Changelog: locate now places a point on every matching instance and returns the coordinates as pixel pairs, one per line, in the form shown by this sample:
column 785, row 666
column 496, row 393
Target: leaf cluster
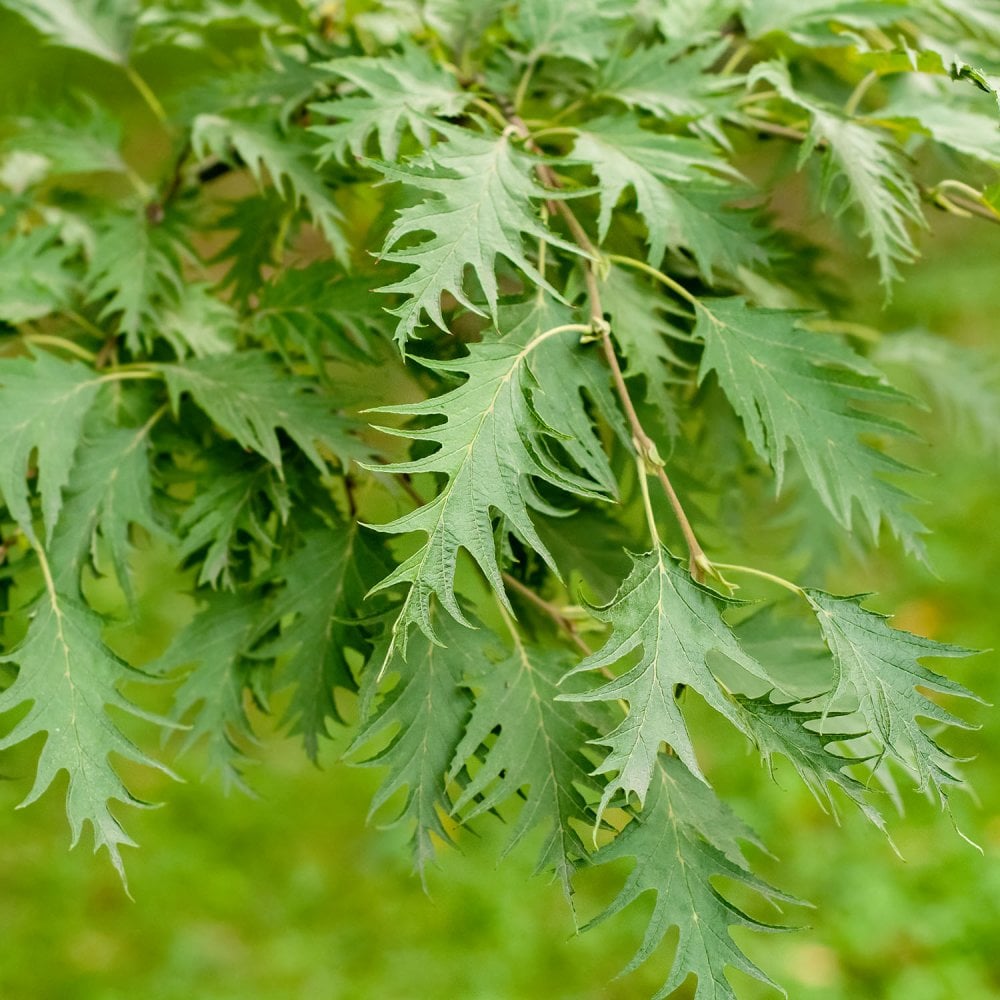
column 452, row 353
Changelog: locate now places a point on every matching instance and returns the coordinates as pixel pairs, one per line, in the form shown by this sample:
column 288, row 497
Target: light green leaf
column 103, row 28
column 135, row 271
column 404, row 92
column 682, row 88
column 542, row 28
column 43, row 404
column 683, row 840
column 70, row 678
column 643, row 335
column 199, row 323
column 791, row 387
column 964, row 382
column 878, row 666
column 250, row 396
column 537, row 753
column 861, row 168
column 35, row 280
column 673, row 624
column 109, row 491
column 482, row 204
column 494, row 448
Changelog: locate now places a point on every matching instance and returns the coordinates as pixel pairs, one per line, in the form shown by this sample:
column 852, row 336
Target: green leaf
column 199, row 323
column 34, row 278
column 543, row 29
column 71, row 679
column 209, row 702
column 494, row 448
column 780, row 728
column 810, row 22
column 674, row 624
column 102, row 28
column 481, row 206
column 325, row 582
column 861, row 169
column 402, row 93
column 43, row 404
column 964, row 129
column 537, row 753
column 791, row 387
column 878, row 666
column 109, row 490
column 318, row 311
column 136, row 268
column 682, row 88
column 683, row 839
column 229, row 516
column 250, row 397
column 679, row 190
column 964, row 382
column 287, row 158
column 423, row 717
column 83, row 138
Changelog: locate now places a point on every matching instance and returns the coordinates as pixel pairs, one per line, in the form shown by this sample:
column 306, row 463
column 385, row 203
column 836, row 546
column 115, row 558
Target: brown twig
column 644, row 444
column 550, row 609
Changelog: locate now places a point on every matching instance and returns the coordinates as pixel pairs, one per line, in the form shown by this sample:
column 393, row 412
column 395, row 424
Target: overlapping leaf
column 110, row 490
column 794, row 388
column 879, row 666
column 325, row 581
column 537, row 752
column 209, row 700
column 494, row 447
column 680, row 186
column 395, row 95
column 135, row 272
column 101, row 28
column 251, row 397
column 43, row 404
column 483, row 202
column 682, row 840
column 861, row 169
column 287, row 158
column 424, row 717
column 34, row 278
column 673, row 624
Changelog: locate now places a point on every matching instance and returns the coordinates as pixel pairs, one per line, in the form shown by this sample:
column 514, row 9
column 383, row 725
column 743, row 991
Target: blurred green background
column 290, row 895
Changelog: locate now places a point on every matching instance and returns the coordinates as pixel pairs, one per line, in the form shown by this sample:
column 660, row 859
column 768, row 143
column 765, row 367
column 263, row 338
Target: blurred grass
column 290, row 895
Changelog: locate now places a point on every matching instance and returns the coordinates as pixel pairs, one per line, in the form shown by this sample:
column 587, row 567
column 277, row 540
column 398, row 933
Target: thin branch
column 552, row 610
column 644, row 444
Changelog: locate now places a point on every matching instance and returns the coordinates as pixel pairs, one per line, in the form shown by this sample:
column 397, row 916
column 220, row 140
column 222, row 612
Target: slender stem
column 493, row 112
column 147, row 95
column 859, row 92
column 124, row 374
column 647, row 503
column 641, row 265
column 552, row 610
column 770, row 577
column 735, row 59
column 82, row 321
column 555, row 130
column 772, row 128
column 53, row 341
column 522, row 84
